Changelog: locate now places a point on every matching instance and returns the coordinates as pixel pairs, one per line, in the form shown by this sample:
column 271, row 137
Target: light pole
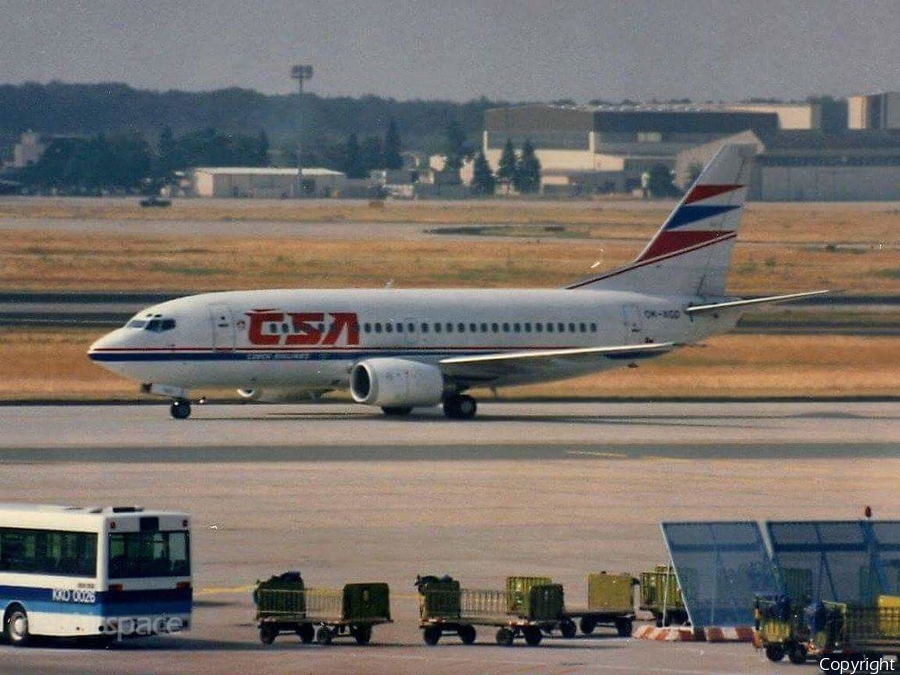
column 300, row 73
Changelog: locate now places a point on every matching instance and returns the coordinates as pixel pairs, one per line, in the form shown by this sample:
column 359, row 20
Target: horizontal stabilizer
column 699, row 309
column 625, row 352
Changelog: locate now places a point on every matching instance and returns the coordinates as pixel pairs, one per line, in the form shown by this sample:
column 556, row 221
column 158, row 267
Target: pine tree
column 506, row 171
column 483, row 181
column 392, row 158
column 528, row 170
column 352, row 160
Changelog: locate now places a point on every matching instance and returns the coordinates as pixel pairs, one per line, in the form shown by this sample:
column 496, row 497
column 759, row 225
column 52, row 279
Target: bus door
column 222, row 327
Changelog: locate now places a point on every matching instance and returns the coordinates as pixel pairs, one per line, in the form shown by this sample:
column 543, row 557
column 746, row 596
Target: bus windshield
column 149, row 554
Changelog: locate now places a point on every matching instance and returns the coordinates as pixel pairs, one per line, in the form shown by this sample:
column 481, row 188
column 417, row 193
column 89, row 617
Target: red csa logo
column 272, row 327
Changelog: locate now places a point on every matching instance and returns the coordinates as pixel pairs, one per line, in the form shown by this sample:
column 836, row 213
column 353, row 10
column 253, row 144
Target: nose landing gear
column 180, row 409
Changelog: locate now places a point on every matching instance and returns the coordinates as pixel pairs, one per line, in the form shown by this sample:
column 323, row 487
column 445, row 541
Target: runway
column 343, row 494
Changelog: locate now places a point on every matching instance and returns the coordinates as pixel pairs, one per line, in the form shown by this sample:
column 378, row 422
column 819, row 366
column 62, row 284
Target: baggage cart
column 661, row 596
column 610, row 603
column 447, row 608
column 285, row 605
column 784, row 628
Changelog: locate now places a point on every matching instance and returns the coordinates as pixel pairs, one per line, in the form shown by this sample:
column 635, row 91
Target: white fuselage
column 310, row 339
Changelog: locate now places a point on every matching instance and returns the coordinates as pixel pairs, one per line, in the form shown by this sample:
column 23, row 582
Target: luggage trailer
column 320, row 614
column 446, row 608
column 610, row 603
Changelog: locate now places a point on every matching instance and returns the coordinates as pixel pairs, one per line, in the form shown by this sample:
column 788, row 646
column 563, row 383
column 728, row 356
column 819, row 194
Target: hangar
column 264, row 182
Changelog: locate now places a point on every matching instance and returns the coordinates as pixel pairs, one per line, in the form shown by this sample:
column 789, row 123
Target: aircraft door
column 411, row 337
column 222, row 326
column 633, row 324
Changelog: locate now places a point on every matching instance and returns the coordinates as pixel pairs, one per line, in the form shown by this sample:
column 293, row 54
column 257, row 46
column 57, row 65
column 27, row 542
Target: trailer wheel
column 267, row 634
column 363, row 634
column 324, row 635
column 467, row 634
column 624, row 627
column 567, row 628
column 505, row 637
column 587, row 625
column 533, row 636
column 775, row 653
column 431, row 635
column 797, row 654
column 306, row 633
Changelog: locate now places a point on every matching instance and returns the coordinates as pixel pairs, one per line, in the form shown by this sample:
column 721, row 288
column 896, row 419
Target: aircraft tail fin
column 691, row 252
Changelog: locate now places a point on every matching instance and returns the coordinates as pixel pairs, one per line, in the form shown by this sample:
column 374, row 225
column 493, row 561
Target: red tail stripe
column 701, row 192
column 669, row 242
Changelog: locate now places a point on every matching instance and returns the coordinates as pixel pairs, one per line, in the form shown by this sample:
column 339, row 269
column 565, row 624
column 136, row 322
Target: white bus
column 111, row 572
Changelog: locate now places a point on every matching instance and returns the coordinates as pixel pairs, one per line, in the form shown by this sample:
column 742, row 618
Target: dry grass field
column 52, row 364
column 38, row 260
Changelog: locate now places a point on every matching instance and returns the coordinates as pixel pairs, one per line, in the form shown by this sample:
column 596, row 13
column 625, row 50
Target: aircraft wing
column 699, row 309
column 487, row 367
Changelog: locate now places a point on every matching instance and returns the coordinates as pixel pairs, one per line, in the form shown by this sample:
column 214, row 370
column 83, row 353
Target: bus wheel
column 16, row 626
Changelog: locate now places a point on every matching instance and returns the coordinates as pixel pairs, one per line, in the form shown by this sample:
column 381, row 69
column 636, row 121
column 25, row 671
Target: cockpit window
column 136, row 323
column 160, row 325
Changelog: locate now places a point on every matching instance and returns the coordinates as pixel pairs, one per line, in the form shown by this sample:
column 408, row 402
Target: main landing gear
column 460, row 407
column 180, row 409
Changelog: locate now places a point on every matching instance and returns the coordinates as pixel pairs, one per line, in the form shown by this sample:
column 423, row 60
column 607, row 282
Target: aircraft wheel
column 16, row 627
column 180, row 409
column 460, row 407
column 567, row 628
column 396, row 410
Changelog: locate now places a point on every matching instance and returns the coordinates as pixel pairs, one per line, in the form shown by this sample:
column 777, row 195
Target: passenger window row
column 482, row 327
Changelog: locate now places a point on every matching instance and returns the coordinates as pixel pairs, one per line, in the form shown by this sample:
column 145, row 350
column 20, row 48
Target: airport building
column 263, row 182
column 855, row 165
column 876, row 111
column 607, row 149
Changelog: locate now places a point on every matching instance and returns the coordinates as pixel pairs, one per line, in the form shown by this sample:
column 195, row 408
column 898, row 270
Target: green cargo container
column 660, row 592
column 366, row 603
column 612, row 593
column 519, row 588
column 545, row 602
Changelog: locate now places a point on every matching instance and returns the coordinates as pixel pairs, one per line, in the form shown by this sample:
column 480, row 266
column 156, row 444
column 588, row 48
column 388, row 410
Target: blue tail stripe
column 691, row 214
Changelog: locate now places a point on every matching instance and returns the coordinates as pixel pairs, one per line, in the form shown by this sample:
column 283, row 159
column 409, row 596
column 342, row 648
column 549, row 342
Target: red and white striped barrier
column 667, row 634
column 729, row 634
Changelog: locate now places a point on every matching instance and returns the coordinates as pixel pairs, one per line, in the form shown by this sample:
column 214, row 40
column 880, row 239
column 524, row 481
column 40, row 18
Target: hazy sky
column 698, row 49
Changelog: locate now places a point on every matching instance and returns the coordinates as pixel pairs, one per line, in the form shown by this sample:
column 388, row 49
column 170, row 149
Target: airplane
column 401, row 349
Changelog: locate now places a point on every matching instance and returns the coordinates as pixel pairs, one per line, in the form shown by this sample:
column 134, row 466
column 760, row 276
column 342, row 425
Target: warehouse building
column 876, row 111
column 607, row 149
column 263, row 182
column 855, row 165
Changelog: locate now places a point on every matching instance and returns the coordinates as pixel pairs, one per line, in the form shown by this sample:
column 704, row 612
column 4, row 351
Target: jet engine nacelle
column 396, row 382
column 250, row 394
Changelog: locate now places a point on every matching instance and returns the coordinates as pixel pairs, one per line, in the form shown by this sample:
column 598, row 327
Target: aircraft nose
column 104, row 343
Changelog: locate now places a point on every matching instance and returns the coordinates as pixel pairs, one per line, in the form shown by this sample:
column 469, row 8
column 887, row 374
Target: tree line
column 129, row 161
